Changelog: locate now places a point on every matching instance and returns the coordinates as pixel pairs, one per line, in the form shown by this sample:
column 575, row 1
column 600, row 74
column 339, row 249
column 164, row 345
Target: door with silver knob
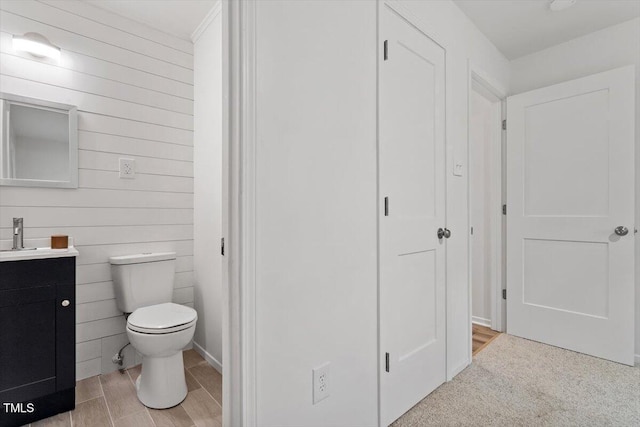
column 570, row 185
column 412, row 178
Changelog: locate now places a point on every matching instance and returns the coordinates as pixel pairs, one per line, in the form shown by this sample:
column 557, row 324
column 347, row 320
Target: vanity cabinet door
column 37, row 337
column 28, row 337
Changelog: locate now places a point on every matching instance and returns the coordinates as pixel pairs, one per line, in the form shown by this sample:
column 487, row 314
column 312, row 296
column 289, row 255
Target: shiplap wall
column 133, row 87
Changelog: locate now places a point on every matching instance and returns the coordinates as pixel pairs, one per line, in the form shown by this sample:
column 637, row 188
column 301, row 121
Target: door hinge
column 504, row 124
column 504, row 294
column 472, row 231
column 386, row 362
column 386, row 206
column 222, row 246
column 386, row 49
column 504, row 209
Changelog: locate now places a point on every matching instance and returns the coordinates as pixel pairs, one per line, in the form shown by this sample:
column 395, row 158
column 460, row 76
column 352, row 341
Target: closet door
column 412, row 190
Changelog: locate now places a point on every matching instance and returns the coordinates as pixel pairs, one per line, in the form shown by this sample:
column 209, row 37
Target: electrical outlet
column 127, row 168
column 320, row 383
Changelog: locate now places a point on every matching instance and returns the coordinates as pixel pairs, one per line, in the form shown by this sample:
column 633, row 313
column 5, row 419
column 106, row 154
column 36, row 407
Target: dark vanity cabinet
column 37, row 339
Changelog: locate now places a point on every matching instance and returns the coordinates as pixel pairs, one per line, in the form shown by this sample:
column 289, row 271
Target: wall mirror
column 39, row 143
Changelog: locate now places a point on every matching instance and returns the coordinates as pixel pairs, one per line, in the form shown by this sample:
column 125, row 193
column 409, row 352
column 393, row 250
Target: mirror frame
column 72, row 112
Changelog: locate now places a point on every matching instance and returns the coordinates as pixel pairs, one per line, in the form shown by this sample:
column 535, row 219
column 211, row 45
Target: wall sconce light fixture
column 37, row 45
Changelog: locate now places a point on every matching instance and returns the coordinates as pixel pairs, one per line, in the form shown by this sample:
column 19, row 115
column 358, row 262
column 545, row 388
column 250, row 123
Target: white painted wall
column 208, row 188
column 316, row 201
column 603, row 50
column 483, row 199
column 316, row 211
column 134, row 90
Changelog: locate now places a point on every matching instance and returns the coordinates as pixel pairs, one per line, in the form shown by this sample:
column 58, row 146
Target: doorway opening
column 485, row 175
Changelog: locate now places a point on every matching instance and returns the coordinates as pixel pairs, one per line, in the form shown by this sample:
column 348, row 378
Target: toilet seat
column 162, row 319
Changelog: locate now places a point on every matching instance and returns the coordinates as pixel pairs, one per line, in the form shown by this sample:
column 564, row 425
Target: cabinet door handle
column 65, row 303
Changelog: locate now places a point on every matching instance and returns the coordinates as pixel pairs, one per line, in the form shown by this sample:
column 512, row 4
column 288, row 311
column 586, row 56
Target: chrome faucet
column 18, row 241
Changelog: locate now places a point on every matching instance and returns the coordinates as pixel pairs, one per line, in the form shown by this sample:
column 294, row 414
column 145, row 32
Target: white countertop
column 40, row 252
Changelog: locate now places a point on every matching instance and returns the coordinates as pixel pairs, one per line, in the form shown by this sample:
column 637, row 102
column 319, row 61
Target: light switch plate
column 127, row 168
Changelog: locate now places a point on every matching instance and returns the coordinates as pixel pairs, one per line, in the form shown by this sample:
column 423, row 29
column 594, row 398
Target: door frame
column 478, row 77
column 239, row 348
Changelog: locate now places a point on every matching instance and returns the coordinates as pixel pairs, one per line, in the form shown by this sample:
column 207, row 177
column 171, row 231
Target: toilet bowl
column 160, row 332
column 156, row 327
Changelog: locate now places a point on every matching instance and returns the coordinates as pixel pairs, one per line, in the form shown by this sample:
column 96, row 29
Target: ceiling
column 516, row 27
column 176, row 17
column 521, row 27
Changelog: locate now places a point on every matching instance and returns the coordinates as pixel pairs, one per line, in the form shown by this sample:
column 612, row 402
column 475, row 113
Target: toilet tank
column 142, row 279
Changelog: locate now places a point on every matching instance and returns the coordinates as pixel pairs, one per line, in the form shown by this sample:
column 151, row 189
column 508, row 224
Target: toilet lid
column 162, row 316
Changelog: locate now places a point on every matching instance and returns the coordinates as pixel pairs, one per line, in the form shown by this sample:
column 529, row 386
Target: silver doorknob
column 443, row 232
column 621, row 230
column 65, row 303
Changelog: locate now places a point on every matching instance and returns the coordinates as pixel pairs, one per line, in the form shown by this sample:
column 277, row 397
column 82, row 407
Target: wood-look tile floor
column 482, row 337
column 110, row 401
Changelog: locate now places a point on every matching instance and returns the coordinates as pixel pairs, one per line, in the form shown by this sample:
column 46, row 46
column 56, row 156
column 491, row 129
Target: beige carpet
column 517, row 382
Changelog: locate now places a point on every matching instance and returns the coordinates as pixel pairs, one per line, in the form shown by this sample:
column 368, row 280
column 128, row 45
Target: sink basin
column 36, row 253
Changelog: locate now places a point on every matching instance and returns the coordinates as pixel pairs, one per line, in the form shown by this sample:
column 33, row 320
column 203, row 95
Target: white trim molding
column 211, row 15
column 248, row 145
column 477, row 75
column 479, row 321
column 239, row 148
column 208, row 357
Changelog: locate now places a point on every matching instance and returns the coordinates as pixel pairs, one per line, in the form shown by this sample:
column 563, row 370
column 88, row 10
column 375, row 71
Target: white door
column 570, row 184
column 412, row 179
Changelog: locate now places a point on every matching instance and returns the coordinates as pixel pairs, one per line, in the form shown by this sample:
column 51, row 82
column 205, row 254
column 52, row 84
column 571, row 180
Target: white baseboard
column 208, row 357
column 480, row 321
column 637, row 359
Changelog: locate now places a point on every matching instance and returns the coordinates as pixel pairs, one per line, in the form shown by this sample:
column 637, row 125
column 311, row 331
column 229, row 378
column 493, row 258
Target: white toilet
column 157, row 328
